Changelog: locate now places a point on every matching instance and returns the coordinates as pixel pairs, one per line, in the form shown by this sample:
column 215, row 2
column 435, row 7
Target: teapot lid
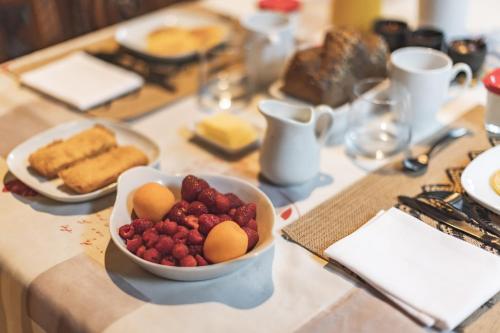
column 492, row 81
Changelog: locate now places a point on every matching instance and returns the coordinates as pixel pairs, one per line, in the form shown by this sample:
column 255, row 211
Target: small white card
column 82, row 81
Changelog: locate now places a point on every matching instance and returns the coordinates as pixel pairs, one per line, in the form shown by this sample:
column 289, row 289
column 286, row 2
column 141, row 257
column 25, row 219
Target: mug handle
column 462, row 67
column 323, row 131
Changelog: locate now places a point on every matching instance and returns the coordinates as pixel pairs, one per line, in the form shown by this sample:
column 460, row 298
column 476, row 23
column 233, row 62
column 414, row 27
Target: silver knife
column 460, row 225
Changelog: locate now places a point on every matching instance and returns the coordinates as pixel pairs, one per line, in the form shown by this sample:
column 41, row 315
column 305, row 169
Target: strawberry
column 252, row 224
column 222, row 203
column 245, row 213
column 176, row 214
column 191, row 187
column 207, row 197
column 197, row 208
column 207, row 222
column 234, row 200
column 253, row 237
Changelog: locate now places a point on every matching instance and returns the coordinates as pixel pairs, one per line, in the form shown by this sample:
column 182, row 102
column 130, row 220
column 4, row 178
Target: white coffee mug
column 268, row 45
column 426, row 74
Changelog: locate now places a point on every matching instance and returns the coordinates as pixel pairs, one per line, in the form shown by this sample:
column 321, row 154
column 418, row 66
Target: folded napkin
column 438, row 279
column 82, row 80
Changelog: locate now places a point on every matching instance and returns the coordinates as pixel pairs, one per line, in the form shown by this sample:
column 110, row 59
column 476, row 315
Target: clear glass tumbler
column 223, row 81
column 379, row 122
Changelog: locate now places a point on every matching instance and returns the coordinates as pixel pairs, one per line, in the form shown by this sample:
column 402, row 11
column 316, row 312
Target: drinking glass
column 379, row 119
column 223, row 81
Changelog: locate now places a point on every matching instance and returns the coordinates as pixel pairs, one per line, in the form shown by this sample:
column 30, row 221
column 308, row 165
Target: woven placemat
column 341, row 215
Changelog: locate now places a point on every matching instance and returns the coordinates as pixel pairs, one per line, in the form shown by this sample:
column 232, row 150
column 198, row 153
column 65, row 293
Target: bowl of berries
column 190, row 228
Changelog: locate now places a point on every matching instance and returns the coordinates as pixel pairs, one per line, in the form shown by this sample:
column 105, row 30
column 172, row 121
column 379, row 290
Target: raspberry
column 134, row 243
column 164, row 244
column 126, row 231
column 176, row 214
column 179, row 251
column 222, row 203
column 207, row 197
column 140, row 251
column 245, row 213
column 231, row 212
column 188, row 261
column 167, row 261
column 191, row 222
column 194, row 237
column 224, row 217
column 152, row 255
column 191, row 187
column 169, row 227
column 182, row 229
column 197, row 208
column 252, row 224
column 234, row 200
column 150, row 237
column 207, row 222
column 140, row 225
column 200, row 260
column 195, row 249
column 253, row 237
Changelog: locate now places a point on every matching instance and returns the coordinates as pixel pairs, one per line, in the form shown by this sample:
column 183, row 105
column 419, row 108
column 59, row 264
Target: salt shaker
column 492, row 117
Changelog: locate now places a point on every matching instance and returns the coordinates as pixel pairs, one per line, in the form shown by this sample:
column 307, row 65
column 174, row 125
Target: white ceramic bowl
column 121, row 214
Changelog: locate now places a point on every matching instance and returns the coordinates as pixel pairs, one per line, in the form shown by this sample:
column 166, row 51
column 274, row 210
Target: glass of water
column 223, row 81
column 379, row 122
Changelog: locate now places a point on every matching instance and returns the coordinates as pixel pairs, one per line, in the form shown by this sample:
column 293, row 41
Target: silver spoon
column 419, row 163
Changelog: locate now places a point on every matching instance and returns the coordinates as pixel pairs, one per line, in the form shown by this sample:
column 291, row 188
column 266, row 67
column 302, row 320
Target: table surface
column 280, row 292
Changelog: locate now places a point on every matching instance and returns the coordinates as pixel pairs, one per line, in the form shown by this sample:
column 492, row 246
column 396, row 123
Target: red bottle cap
column 492, row 81
column 284, row 6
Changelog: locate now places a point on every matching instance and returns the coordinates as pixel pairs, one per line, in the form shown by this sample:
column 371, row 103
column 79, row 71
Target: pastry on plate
column 48, row 161
column 102, row 170
column 174, row 41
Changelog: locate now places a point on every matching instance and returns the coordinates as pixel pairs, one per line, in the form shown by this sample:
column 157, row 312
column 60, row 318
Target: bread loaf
column 326, row 74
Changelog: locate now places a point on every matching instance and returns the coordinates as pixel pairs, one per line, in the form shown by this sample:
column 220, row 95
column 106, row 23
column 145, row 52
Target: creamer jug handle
column 324, row 118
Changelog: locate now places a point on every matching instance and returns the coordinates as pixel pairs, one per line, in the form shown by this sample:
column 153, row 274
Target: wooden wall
column 28, row 25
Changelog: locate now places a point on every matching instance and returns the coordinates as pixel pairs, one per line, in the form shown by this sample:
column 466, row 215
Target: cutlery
column 456, row 224
column 420, row 163
column 455, row 213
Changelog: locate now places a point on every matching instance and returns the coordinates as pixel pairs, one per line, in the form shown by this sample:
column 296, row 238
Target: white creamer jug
column 290, row 152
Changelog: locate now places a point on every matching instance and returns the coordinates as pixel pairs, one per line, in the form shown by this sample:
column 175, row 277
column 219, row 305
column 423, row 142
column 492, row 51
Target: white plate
column 133, row 34
column 476, row 179
column 18, row 164
column 121, row 214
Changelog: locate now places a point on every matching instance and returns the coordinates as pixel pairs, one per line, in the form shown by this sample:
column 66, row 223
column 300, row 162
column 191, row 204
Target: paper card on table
column 82, row 80
column 438, row 279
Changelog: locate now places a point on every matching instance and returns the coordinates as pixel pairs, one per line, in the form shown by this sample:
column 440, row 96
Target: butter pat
column 227, row 130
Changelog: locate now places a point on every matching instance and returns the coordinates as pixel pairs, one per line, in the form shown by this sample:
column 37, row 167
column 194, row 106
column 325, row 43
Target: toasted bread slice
column 102, row 170
column 61, row 154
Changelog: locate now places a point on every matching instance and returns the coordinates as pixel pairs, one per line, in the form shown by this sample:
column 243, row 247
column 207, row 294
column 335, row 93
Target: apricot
column 153, row 201
column 224, row 242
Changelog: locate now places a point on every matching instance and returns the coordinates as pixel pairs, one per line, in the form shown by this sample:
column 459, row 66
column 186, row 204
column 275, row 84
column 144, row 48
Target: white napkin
column 438, row 279
column 82, row 80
